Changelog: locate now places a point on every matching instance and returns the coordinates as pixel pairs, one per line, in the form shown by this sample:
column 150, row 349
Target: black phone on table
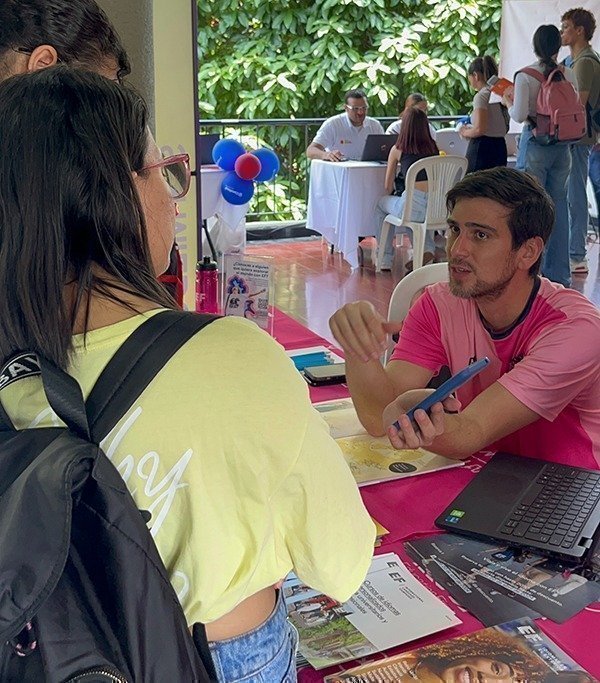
column 319, row 375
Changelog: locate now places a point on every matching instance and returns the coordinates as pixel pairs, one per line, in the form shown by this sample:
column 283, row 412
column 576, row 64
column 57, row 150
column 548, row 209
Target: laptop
column 207, row 142
column 529, row 503
column 377, row 147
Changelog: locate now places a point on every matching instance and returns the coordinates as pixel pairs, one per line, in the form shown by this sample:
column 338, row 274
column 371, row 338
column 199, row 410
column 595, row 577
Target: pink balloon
column 247, row 166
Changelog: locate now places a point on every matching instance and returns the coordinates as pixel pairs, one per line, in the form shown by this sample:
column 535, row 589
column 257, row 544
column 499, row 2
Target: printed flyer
column 248, row 289
column 391, row 607
column 515, row 651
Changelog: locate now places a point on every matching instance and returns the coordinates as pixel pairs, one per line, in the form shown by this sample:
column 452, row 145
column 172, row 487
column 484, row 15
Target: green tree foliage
column 285, row 58
column 281, row 59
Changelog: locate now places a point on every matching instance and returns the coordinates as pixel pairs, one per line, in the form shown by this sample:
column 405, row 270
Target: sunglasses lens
column 177, row 177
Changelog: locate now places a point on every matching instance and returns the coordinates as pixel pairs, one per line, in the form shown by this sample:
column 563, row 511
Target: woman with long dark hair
column 550, row 164
column 489, row 121
column 239, row 492
column 414, row 143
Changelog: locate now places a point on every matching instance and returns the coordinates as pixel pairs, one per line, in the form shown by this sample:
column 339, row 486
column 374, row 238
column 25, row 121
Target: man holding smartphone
column 540, row 395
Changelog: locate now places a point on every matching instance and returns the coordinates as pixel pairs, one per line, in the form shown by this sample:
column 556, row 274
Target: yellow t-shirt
column 240, row 474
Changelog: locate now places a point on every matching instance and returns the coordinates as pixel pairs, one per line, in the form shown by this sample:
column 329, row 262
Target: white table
column 342, row 199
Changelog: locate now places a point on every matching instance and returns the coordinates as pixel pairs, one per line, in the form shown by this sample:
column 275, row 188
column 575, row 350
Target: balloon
column 269, row 164
column 236, row 190
column 247, row 166
column 225, row 152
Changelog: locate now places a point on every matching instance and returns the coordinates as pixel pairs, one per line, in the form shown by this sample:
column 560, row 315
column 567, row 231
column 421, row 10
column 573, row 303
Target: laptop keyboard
column 555, row 509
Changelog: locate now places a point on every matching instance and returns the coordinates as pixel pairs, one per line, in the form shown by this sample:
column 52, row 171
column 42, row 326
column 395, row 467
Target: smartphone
column 319, row 375
column 449, row 386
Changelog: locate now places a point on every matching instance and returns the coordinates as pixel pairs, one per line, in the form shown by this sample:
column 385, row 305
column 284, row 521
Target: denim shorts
column 267, row 654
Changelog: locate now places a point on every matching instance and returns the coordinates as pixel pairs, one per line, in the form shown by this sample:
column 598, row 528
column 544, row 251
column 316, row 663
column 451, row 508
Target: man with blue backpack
column 577, row 29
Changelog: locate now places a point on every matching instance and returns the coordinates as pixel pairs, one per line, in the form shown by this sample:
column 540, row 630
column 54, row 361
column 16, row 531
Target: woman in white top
column 550, row 164
column 489, row 120
column 415, row 99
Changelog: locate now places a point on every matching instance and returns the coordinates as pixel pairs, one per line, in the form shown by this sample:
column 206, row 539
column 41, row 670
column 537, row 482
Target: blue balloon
column 225, row 152
column 236, row 190
column 269, row 164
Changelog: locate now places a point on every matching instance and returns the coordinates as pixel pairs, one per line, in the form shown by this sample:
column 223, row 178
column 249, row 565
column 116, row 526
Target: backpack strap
column 6, row 424
column 135, row 364
column 62, row 391
column 534, row 73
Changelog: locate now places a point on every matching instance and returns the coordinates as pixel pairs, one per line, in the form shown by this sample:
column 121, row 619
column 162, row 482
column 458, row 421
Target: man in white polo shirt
column 343, row 136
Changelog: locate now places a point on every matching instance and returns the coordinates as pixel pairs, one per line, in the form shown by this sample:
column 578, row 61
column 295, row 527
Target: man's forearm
column 314, row 152
column 371, row 390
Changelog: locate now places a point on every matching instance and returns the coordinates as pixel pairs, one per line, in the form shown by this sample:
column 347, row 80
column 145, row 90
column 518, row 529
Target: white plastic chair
column 443, row 173
column 403, row 293
column 449, row 141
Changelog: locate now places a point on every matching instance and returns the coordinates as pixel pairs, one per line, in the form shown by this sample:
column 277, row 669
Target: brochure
column 248, row 288
column 480, row 598
column 373, row 459
column 536, row 582
column 381, row 531
column 390, row 608
column 515, row 651
column 313, row 355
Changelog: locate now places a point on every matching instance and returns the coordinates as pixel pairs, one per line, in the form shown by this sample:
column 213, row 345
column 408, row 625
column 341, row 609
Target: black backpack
column 84, row 594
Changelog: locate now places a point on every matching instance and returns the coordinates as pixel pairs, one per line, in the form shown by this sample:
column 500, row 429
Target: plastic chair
column 442, row 174
column 403, row 293
column 449, row 141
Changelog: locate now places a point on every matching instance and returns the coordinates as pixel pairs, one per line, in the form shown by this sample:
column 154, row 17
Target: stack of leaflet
column 497, row 583
column 518, row 645
column 390, row 608
column 373, row 459
column 313, row 356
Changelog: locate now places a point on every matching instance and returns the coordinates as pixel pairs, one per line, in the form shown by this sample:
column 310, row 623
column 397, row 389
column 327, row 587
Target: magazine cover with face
column 509, row 653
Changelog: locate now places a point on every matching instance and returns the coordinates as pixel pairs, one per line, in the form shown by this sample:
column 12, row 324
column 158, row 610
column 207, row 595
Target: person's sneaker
column 579, row 267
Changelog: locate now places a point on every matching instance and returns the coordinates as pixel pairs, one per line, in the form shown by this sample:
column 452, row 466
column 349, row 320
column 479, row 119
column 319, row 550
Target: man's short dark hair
column 581, row 17
column 79, row 30
column 354, row 94
column 531, row 209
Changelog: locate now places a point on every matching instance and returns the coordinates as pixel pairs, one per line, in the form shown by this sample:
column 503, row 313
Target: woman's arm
column 392, row 166
column 518, row 99
column 478, row 127
column 479, row 117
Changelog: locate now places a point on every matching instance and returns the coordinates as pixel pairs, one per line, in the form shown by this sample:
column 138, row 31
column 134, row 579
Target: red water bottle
column 207, row 286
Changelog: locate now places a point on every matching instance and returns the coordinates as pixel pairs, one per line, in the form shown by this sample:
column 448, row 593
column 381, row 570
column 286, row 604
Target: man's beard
column 484, row 290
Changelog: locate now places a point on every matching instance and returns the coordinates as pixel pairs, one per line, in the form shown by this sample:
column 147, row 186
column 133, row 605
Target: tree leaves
column 388, row 47
column 296, row 58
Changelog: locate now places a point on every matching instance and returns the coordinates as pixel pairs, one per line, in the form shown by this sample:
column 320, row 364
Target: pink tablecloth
column 408, row 507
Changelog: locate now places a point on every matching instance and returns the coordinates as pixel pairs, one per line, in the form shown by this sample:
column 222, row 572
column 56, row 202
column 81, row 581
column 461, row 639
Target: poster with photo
column 248, row 288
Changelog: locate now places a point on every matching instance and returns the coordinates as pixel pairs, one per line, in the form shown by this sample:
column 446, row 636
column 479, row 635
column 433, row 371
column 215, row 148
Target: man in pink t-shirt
column 540, row 395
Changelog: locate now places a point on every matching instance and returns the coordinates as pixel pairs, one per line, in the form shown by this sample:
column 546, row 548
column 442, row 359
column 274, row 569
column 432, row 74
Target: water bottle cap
column 207, row 264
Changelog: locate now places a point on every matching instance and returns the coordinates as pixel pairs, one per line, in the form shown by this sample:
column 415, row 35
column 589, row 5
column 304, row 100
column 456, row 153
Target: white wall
column 520, row 19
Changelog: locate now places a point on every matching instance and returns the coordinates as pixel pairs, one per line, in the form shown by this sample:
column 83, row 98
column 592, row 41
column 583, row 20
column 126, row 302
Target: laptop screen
column 207, row 142
column 377, row 147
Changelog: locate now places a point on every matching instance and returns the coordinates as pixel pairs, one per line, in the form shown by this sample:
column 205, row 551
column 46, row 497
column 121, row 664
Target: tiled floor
column 311, row 283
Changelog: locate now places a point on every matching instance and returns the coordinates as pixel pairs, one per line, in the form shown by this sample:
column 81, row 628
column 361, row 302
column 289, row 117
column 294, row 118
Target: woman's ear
column 42, row 57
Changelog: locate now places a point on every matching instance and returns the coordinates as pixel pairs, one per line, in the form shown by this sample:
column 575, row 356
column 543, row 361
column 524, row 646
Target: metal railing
column 286, row 197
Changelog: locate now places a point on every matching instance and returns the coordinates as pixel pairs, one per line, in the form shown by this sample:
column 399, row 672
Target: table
column 342, row 198
column 407, row 507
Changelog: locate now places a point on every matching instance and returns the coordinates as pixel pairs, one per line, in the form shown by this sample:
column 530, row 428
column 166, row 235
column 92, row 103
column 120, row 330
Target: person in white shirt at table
column 343, row 136
column 415, row 99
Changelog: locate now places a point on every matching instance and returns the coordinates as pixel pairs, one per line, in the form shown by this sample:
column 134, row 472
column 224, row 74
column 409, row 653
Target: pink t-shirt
column 549, row 360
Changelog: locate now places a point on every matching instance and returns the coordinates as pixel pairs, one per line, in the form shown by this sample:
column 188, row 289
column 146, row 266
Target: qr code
column 263, row 304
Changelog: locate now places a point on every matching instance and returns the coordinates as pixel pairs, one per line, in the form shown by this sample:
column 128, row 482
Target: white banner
column 520, row 19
